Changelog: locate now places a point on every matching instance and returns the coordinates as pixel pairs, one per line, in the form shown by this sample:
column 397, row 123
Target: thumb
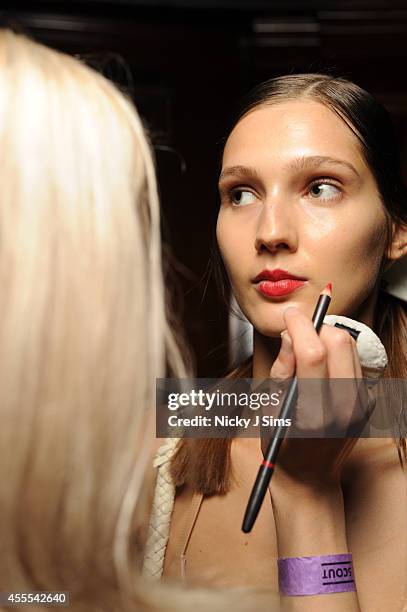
column 284, row 365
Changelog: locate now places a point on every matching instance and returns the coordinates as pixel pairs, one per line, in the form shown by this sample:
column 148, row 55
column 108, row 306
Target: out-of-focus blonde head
column 83, row 335
column 83, row 330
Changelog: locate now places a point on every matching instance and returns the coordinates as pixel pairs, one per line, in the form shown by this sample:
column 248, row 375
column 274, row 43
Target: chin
column 270, row 331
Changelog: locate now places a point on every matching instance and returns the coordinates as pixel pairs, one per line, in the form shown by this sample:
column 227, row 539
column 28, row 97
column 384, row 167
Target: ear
column 398, row 247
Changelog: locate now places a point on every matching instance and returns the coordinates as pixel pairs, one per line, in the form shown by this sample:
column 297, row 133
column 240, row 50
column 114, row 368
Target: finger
column 341, row 354
column 284, row 365
column 309, row 350
column 356, row 359
column 367, row 390
column 347, row 403
column 365, row 401
column 311, row 368
column 343, row 391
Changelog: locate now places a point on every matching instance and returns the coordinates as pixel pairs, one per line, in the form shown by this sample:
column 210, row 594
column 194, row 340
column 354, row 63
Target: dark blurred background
column 186, row 63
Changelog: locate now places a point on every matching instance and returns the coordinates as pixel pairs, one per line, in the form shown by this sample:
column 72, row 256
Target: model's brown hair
column 372, row 126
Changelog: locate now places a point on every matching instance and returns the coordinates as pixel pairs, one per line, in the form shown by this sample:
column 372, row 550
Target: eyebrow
column 299, row 163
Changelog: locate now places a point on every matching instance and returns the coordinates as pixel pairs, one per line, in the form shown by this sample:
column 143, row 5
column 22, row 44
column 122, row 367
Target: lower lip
column 278, row 288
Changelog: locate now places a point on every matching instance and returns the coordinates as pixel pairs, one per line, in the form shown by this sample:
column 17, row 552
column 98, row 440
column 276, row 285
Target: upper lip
column 276, row 275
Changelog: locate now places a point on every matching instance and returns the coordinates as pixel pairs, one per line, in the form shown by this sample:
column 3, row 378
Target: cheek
column 230, row 243
column 356, row 250
column 367, row 247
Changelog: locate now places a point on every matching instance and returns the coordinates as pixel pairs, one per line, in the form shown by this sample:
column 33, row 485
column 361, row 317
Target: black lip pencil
column 267, row 466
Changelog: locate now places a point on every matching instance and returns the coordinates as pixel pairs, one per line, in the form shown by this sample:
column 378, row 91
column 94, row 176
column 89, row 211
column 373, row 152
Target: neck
column 265, row 351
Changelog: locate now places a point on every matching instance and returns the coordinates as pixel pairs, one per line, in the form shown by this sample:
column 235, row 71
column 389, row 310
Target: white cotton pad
column 372, row 354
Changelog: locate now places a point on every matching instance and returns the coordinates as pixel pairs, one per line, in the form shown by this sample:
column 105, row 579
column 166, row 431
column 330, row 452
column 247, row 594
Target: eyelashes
column 233, row 193
column 236, row 197
column 328, row 182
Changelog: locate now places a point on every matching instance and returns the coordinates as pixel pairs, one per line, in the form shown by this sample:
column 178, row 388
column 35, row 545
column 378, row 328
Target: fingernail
column 293, row 308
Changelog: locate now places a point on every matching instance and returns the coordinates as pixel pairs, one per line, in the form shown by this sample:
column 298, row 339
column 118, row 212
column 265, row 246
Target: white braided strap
column 159, row 526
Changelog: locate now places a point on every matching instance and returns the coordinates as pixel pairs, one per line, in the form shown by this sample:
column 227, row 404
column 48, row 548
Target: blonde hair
column 84, row 332
column 83, row 328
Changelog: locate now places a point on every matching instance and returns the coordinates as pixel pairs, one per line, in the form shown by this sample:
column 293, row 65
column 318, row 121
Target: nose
column 275, row 229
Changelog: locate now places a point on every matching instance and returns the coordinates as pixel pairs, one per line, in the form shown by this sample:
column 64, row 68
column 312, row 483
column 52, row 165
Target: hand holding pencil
column 308, row 351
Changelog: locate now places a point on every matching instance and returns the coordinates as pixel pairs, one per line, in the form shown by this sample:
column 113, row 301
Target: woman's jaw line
column 265, row 352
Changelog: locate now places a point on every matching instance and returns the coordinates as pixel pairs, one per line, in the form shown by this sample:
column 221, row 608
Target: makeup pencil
column 267, row 466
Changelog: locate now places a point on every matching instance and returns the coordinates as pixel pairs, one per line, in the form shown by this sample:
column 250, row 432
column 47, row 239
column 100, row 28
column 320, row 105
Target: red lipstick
column 276, row 283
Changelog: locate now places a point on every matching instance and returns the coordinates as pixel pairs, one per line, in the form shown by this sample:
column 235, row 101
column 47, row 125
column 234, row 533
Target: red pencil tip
column 328, row 289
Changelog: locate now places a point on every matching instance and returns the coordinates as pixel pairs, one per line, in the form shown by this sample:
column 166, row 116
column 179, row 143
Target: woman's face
column 297, row 195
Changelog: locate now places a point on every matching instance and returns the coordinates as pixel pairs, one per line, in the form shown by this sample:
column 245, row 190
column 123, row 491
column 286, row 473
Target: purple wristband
column 314, row 575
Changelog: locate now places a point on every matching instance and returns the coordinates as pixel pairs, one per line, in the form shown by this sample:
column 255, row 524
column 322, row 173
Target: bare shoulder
column 373, row 470
column 377, row 453
column 375, row 495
